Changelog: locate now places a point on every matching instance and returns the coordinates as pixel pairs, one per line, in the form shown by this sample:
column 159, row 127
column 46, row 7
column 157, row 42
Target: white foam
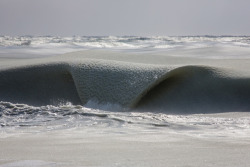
column 95, row 104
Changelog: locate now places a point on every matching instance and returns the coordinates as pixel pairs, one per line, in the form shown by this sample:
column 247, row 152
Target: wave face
column 197, row 89
column 38, row 85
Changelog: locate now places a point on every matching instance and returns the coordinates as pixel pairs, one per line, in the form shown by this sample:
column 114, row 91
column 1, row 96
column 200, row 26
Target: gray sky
column 124, row 17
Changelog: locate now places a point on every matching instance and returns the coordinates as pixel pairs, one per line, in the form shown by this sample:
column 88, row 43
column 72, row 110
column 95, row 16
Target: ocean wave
column 125, row 42
column 145, row 87
column 216, row 47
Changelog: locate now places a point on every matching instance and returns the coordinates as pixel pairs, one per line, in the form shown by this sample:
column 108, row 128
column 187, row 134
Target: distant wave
column 124, row 42
column 144, row 87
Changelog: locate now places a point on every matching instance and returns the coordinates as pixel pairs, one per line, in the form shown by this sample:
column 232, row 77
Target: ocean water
column 207, row 95
column 51, row 45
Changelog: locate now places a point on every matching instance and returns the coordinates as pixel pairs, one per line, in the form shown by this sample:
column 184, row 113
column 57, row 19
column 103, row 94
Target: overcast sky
column 124, row 17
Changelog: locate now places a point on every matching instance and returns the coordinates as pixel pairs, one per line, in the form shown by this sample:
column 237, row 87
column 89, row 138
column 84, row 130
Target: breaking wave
column 184, row 89
column 108, row 90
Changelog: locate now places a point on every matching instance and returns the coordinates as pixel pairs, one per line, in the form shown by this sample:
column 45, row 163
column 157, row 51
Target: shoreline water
column 75, row 148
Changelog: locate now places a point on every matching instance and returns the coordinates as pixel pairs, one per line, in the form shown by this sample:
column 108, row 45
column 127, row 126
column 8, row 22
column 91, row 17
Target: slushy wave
column 102, row 91
column 164, row 88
